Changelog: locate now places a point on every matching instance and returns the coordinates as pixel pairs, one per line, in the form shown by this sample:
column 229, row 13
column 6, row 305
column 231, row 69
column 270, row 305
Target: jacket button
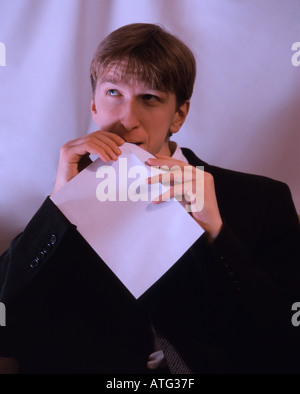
column 35, row 263
column 47, row 248
column 41, row 255
column 53, row 239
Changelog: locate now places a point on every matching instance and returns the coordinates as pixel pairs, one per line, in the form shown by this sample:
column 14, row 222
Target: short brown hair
column 152, row 55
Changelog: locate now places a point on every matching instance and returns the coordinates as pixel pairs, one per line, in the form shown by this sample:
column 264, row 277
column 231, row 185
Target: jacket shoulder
column 234, row 177
column 249, row 199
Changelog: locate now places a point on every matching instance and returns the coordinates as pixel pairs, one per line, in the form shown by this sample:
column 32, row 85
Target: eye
column 113, row 92
column 150, row 97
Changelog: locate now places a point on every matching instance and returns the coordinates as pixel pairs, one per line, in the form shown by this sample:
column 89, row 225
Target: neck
column 172, row 147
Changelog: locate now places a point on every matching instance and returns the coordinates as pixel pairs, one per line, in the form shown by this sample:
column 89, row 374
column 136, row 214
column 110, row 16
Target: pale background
column 245, row 112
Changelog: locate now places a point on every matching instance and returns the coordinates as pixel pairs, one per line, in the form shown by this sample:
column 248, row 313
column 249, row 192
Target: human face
column 139, row 115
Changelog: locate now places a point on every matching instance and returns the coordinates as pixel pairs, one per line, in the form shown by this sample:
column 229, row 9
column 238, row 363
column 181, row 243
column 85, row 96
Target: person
column 224, row 307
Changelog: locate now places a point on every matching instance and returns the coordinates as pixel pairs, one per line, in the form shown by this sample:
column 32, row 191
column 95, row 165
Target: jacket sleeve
column 28, row 253
column 264, row 277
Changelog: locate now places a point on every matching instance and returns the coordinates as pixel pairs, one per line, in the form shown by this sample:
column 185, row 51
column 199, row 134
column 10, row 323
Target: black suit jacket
column 225, row 307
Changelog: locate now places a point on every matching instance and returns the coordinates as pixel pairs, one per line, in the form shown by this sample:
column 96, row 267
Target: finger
column 107, row 144
column 105, row 155
column 167, row 161
column 107, row 141
column 194, row 203
column 91, row 148
column 166, row 196
column 112, row 136
column 102, row 150
column 167, row 178
column 173, row 192
column 175, row 174
column 162, row 156
column 112, row 140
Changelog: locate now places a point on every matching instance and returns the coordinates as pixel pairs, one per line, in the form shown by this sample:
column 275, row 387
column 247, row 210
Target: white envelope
column 138, row 240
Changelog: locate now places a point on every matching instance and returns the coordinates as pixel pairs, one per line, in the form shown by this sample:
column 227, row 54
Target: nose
column 130, row 115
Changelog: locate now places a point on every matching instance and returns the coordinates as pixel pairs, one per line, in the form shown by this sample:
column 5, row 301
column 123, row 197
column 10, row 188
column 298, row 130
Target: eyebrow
column 108, row 79
column 115, row 81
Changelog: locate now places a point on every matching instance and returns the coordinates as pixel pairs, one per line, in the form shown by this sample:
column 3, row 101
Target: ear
column 180, row 116
column 94, row 110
